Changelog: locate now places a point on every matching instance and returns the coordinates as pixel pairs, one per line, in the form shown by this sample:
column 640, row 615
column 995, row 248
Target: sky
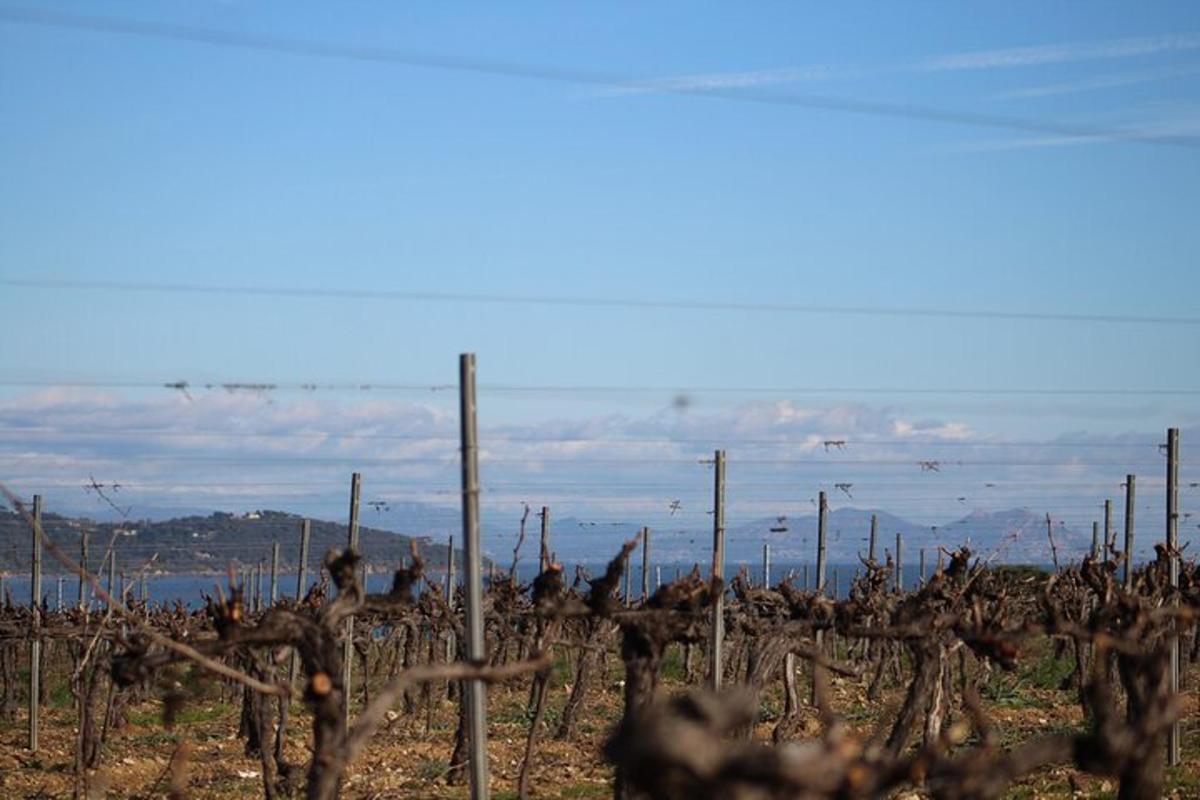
column 650, row 222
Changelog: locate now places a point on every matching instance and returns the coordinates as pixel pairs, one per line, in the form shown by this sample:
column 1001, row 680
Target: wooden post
column 348, row 643
column 83, row 562
column 871, row 546
column 766, row 580
column 645, row 564
column 35, row 643
column 61, row 580
column 544, row 553
column 274, row 572
column 921, row 562
column 717, row 639
column 1095, row 540
column 1130, row 497
column 476, row 697
column 1173, row 749
column 899, row 563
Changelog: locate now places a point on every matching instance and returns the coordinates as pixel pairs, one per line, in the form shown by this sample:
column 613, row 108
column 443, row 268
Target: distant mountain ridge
column 198, row 544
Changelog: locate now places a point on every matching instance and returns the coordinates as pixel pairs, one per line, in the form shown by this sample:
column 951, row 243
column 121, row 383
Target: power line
column 662, row 303
column 501, row 437
column 482, row 66
column 499, row 388
column 535, row 460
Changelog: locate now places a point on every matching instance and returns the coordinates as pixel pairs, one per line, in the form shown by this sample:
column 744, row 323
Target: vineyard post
column 274, row 572
column 766, row 565
column 35, row 644
column 544, row 552
column 645, row 564
column 258, row 582
column 1130, row 496
column 717, row 640
column 871, row 545
column 450, row 595
column 61, row 580
column 899, row 563
column 822, row 510
column 628, row 581
column 921, row 562
column 1108, row 531
column 1095, row 540
column 301, row 584
column 112, row 573
column 83, row 562
column 476, row 698
column 348, row 644
column 1173, row 753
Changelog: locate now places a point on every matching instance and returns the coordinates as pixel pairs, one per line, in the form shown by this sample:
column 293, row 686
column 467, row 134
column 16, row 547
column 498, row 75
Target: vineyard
column 596, row 691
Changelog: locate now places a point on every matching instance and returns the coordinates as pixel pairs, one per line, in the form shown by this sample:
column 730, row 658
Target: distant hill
column 1019, row 534
column 196, row 544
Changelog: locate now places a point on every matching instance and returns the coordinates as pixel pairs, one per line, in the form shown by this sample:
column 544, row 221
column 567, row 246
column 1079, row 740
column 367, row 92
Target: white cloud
column 1095, row 84
column 238, row 451
column 1037, row 55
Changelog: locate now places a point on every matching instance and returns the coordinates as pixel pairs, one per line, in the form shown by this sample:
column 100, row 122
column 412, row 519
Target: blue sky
column 141, row 159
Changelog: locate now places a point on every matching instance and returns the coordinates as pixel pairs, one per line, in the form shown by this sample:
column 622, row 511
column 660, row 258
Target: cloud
column 240, row 451
column 718, row 81
column 1095, row 84
column 976, row 60
column 1038, row 55
column 1185, row 127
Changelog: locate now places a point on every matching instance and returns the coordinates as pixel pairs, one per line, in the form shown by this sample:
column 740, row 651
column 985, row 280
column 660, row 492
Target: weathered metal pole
column 871, row 546
column 1173, row 749
column 822, row 511
column 476, row 697
column 628, row 581
column 717, row 639
column 450, row 642
column 301, row 586
column 766, row 574
column 544, row 552
column 1130, row 497
column 35, row 644
column 1108, row 531
column 348, row 643
column 645, row 564
column 83, row 562
column 274, row 572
